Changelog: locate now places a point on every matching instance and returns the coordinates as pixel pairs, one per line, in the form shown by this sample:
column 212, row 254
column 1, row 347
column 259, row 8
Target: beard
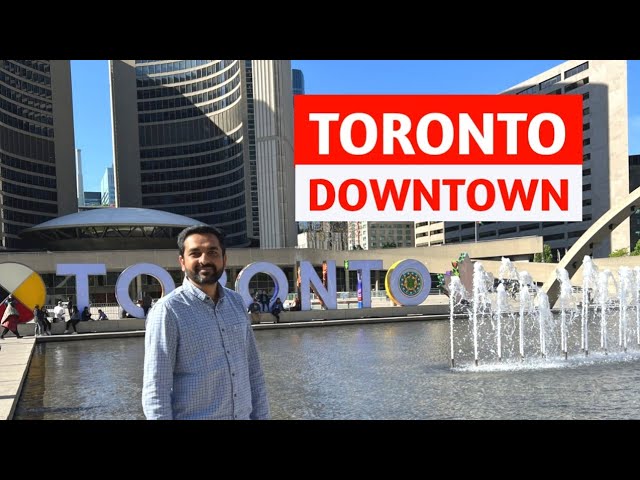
column 207, row 279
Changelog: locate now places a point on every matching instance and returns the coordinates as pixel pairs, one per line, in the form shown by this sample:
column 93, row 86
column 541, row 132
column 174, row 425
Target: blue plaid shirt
column 201, row 360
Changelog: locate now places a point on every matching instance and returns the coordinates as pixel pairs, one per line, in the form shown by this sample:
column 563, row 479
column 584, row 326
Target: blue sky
column 92, row 110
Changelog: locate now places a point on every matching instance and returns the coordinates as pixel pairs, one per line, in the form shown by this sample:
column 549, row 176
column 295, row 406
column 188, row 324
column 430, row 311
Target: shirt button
column 235, row 416
column 233, row 374
column 228, row 351
column 223, row 329
column 235, row 394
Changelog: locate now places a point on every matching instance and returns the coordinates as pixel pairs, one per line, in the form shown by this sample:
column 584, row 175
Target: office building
column 325, row 236
column 79, row 181
column 107, row 188
column 208, row 139
column 603, row 87
column 92, row 199
column 297, row 78
column 38, row 173
column 372, row 235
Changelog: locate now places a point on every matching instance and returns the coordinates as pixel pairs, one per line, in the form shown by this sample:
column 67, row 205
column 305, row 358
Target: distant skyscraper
column 37, row 175
column 79, row 182
column 209, row 139
column 107, row 188
column 92, row 199
column 297, row 82
column 297, row 78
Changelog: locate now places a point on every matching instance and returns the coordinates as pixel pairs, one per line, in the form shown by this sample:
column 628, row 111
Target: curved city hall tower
column 208, row 139
column 37, row 163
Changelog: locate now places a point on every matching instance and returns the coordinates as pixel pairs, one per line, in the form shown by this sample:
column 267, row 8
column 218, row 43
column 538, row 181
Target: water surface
column 375, row 371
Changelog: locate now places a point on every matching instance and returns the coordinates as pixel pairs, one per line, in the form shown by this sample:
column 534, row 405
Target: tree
column 545, row 257
column 636, row 249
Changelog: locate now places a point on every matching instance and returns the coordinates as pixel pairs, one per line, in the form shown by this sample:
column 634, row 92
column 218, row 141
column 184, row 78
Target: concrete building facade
column 38, row 174
column 603, row 87
column 209, row 139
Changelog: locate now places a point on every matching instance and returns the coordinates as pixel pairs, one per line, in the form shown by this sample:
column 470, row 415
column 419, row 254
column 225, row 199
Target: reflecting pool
column 369, row 371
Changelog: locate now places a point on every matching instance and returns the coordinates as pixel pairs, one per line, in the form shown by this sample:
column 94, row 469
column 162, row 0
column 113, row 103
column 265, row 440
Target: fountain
column 509, row 321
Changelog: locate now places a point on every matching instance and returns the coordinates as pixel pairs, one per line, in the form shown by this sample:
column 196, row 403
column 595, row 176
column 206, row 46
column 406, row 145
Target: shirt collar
column 190, row 287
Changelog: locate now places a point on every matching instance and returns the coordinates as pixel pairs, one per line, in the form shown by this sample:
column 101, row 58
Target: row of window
column 572, row 86
column 22, row 204
column 203, row 175
column 235, row 213
column 174, row 74
column 24, row 86
column 546, row 238
column 165, row 66
column 230, row 228
column 231, row 216
column 25, row 73
column 182, row 102
column 188, row 131
column 575, row 70
column 26, row 165
column 29, row 192
column 28, row 100
column 208, row 146
column 25, row 126
column 219, row 162
column 27, row 218
column 173, row 115
column 41, row 65
column 398, row 244
column 210, row 184
column 23, row 177
column 193, row 197
column 253, row 169
column 184, row 89
column 12, row 229
column 25, row 112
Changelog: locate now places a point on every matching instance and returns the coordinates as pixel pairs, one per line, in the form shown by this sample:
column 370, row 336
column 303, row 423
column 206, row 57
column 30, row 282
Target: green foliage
column 545, row 257
column 636, row 249
column 454, row 270
column 621, row 252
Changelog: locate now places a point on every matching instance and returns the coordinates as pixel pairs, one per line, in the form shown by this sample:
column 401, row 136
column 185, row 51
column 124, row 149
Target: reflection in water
column 378, row 371
column 92, row 379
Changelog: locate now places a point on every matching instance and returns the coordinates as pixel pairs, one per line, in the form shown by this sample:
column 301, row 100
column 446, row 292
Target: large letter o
column 277, row 275
column 408, row 282
column 127, row 276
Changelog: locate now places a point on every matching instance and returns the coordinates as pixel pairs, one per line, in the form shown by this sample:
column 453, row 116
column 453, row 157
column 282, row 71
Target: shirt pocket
column 237, row 337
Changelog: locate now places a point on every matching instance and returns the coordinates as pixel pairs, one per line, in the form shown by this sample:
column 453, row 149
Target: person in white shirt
column 58, row 313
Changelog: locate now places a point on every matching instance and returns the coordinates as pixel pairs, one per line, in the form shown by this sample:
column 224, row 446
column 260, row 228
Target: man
column 254, row 310
column 58, row 312
column 201, row 359
column 146, row 303
column 276, row 309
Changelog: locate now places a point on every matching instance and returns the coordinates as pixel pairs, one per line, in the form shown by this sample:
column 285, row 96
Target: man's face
column 203, row 262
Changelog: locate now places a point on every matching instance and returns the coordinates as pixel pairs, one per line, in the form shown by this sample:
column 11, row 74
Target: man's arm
column 160, row 343
column 259, row 400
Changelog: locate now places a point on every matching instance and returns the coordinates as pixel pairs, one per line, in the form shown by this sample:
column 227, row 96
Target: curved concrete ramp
column 584, row 245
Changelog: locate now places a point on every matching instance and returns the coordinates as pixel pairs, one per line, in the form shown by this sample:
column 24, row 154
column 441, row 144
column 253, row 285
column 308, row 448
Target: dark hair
column 201, row 229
